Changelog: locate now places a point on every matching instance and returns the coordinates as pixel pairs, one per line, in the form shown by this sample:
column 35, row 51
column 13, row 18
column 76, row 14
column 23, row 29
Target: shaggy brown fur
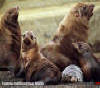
column 10, row 39
column 73, row 27
column 37, row 67
column 87, row 61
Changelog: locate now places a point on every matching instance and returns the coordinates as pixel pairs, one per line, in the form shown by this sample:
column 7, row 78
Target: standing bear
column 74, row 27
column 37, row 67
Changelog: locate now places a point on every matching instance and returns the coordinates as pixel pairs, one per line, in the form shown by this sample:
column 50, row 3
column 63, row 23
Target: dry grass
column 44, row 21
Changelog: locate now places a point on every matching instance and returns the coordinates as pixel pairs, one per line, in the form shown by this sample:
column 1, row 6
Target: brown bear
column 10, row 39
column 87, row 61
column 37, row 67
column 74, row 27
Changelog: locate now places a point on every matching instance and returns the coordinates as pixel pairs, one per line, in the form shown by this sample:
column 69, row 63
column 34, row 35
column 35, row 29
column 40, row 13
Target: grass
column 44, row 21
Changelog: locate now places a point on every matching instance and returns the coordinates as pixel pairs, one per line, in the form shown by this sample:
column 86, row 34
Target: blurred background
column 44, row 16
